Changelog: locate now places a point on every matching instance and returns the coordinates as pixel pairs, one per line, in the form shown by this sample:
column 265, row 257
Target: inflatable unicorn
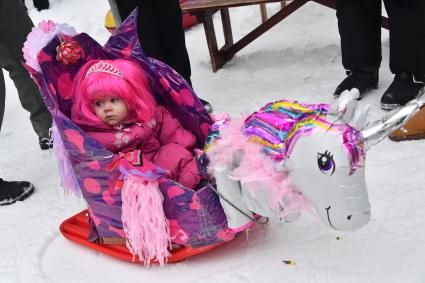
column 289, row 152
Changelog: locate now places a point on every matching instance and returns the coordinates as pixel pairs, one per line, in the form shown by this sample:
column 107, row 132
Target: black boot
column 45, row 143
column 362, row 80
column 11, row 192
column 41, row 4
column 404, row 88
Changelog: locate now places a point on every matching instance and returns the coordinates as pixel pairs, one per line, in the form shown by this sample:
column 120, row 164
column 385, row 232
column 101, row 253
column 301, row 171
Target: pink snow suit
column 162, row 140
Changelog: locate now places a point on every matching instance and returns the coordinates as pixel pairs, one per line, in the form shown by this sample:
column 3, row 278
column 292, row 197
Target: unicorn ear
column 344, row 107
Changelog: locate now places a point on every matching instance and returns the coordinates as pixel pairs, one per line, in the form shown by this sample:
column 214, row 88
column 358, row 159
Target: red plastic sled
column 76, row 229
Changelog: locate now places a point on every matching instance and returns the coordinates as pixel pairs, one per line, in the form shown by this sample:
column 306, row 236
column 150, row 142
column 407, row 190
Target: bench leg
column 261, row 29
column 227, row 28
column 217, row 56
column 217, row 60
column 263, row 10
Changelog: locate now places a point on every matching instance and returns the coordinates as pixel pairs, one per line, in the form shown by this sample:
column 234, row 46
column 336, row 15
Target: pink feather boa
column 256, row 169
column 144, row 221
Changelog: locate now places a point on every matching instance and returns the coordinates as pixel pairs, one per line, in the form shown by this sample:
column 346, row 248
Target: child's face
column 111, row 110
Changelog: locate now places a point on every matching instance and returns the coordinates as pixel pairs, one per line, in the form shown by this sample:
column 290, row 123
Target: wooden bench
column 205, row 9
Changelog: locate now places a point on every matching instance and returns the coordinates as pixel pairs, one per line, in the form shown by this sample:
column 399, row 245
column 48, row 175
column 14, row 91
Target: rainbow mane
column 278, row 125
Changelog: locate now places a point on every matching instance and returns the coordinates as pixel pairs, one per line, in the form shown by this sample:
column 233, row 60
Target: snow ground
column 298, row 59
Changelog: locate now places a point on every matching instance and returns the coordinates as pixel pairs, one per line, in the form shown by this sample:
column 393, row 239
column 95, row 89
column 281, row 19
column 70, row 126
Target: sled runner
column 77, row 229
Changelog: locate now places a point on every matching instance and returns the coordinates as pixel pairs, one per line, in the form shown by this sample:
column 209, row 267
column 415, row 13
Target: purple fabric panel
column 92, row 177
column 196, row 217
column 214, row 221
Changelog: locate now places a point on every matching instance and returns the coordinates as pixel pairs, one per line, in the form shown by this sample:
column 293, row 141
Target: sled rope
column 253, row 219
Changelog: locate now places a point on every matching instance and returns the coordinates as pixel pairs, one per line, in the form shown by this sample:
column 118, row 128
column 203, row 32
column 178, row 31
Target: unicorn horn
column 376, row 131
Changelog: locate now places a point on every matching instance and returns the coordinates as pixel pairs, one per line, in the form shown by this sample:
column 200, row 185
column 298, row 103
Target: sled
column 197, row 221
column 77, row 229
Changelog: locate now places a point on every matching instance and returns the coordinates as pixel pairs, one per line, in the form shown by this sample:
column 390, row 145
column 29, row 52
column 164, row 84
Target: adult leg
column 125, row 7
column 12, row 38
column 407, row 51
column 407, row 35
column 148, row 30
column 359, row 24
column 171, row 36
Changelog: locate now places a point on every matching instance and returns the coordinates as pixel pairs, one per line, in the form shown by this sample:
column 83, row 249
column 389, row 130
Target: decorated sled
column 270, row 163
column 196, row 220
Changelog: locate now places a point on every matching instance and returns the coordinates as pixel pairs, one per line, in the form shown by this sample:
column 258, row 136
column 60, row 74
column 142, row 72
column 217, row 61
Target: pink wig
column 131, row 86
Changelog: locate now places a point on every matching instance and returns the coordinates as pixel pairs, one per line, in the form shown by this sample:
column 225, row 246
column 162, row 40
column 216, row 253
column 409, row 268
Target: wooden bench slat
column 191, row 6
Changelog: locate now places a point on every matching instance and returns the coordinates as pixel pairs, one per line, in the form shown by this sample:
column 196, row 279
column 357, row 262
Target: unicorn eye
column 326, row 162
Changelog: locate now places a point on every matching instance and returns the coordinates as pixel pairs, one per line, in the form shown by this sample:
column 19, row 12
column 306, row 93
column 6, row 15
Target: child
column 114, row 105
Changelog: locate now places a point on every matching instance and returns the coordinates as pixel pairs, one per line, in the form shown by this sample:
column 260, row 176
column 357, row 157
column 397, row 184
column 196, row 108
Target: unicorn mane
column 278, row 125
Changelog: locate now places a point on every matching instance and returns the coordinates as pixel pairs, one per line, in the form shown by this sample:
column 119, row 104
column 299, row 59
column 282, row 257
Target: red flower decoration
column 69, row 52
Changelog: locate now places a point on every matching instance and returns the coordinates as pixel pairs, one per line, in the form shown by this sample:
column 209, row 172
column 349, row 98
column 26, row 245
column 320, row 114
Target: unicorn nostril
column 349, row 217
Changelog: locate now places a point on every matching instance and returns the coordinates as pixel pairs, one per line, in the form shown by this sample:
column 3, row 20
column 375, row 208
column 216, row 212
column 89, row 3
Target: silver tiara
column 104, row 68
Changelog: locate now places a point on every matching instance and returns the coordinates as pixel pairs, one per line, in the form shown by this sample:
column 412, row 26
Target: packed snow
column 297, row 59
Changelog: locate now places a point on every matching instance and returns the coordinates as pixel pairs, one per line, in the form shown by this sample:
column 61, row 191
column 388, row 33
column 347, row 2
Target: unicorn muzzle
column 348, row 221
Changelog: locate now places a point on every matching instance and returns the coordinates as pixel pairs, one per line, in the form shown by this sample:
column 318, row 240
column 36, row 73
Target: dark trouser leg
column 2, row 97
column 359, row 24
column 125, row 7
column 29, row 95
column 12, row 39
column 407, row 35
column 171, row 36
column 148, row 30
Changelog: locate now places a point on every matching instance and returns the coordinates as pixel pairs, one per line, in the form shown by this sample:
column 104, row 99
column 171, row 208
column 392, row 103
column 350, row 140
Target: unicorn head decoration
column 288, row 154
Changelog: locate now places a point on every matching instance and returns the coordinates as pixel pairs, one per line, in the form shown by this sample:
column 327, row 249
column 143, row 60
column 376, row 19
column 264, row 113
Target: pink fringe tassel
column 256, row 169
column 68, row 179
column 144, row 221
